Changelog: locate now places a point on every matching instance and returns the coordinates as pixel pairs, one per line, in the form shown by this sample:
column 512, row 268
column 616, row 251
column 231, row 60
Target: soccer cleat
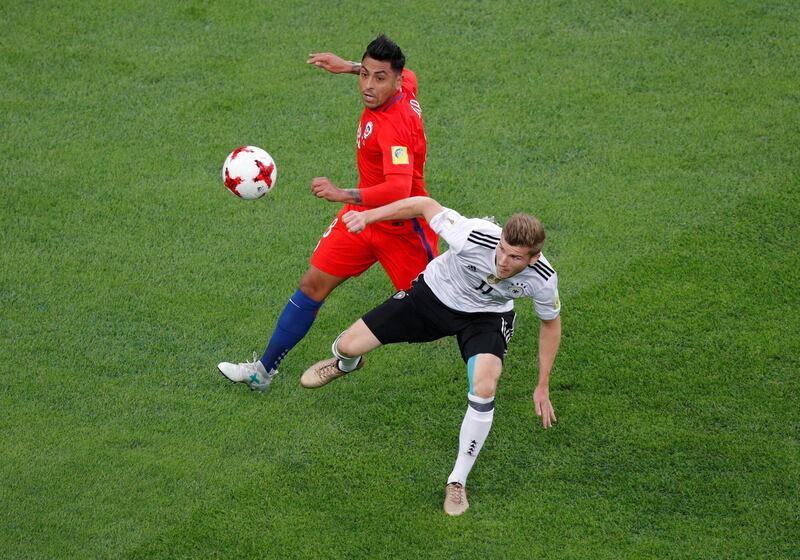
column 324, row 372
column 455, row 499
column 253, row 373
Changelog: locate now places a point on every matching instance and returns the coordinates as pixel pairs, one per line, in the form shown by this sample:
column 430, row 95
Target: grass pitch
column 658, row 143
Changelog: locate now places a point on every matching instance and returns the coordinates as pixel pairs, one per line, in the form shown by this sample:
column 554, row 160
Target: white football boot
column 253, row 373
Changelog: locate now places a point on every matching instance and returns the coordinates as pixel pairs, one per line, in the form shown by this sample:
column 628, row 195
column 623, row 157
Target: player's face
column 511, row 259
column 378, row 82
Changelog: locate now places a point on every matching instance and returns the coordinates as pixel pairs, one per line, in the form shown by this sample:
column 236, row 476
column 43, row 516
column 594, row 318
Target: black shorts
column 417, row 315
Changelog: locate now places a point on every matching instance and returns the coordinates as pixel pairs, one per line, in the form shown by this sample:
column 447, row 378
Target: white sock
column 474, row 430
column 345, row 363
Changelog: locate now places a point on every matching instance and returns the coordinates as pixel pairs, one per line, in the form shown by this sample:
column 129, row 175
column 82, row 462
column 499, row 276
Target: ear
column 535, row 258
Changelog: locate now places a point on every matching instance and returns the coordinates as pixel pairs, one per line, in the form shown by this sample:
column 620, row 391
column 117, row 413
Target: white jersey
column 464, row 277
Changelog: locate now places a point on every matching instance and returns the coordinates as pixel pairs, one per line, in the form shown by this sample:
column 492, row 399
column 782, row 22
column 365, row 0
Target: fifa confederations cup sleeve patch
column 399, row 155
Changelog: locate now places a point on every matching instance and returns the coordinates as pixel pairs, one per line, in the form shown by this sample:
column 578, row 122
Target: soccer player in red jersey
column 391, row 148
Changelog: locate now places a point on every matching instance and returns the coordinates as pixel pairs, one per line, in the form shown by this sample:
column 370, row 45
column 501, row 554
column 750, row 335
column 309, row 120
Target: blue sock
column 293, row 324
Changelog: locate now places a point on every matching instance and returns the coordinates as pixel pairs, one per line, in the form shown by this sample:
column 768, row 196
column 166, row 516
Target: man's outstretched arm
column 333, row 63
column 399, row 210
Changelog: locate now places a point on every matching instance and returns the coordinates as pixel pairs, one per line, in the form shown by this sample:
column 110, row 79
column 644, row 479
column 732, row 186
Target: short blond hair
column 524, row 230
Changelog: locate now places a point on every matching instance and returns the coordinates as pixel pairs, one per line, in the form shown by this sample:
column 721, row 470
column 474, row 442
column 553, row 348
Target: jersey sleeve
column 396, row 150
column 452, row 227
column 409, row 81
column 546, row 302
column 394, row 188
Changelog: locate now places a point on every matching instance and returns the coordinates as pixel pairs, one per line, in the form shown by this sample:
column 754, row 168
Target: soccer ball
column 249, row 172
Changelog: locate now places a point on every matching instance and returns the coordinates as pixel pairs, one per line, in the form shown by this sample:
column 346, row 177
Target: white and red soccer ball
column 249, row 172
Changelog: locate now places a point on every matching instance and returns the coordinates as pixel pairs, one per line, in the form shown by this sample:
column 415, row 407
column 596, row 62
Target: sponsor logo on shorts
column 399, row 295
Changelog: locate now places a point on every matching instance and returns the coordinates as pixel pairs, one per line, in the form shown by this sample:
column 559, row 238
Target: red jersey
column 390, row 140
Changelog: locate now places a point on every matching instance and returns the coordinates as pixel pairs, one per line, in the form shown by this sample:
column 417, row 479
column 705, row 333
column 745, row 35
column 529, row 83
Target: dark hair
column 383, row 48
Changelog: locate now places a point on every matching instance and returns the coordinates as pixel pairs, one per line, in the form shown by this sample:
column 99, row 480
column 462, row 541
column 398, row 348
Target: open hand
column 544, row 409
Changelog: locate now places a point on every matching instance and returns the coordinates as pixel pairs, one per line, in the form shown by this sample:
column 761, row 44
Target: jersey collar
column 394, row 100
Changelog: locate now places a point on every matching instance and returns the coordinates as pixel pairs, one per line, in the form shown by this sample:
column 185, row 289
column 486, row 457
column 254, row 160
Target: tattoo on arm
column 355, row 194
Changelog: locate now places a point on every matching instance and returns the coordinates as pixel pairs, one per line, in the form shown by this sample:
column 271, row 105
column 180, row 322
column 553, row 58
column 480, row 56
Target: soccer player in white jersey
column 467, row 292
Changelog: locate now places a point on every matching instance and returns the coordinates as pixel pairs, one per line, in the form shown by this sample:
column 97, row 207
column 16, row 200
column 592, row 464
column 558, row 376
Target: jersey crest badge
column 399, row 155
column 517, row 290
column 367, row 130
column 492, row 279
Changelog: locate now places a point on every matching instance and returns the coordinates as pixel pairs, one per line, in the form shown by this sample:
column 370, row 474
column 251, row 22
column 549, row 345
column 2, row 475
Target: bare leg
column 317, row 284
column 485, row 375
column 357, row 340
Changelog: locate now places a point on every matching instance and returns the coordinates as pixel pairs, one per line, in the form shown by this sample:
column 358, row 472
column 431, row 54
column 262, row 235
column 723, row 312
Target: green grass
column 659, row 142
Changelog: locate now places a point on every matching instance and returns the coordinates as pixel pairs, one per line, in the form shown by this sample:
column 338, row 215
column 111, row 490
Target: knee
column 356, row 341
column 485, row 375
column 311, row 288
column 486, row 387
column 344, row 345
column 314, row 286
column 318, row 285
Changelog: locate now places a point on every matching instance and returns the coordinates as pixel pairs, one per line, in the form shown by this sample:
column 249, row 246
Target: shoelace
column 329, row 370
column 454, row 493
column 251, row 365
